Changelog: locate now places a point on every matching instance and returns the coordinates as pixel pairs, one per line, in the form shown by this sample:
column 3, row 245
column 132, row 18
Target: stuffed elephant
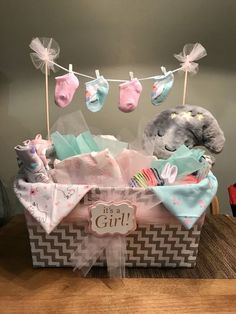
column 185, row 124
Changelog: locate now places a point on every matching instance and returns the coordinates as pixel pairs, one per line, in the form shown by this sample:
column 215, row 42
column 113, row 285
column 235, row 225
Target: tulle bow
column 46, row 51
column 191, row 53
column 113, row 247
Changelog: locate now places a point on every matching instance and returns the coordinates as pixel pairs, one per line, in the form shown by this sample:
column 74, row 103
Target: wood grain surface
column 27, row 290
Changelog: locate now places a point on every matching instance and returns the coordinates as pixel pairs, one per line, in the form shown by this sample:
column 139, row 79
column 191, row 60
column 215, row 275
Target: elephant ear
column 204, row 128
column 212, row 135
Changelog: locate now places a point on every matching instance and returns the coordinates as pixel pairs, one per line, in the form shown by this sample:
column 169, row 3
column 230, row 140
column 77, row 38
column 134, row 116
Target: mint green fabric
column 115, row 147
column 62, row 146
column 69, row 145
column 90, row 142
column 186, row 160
column 188, row 202
column 71, row 140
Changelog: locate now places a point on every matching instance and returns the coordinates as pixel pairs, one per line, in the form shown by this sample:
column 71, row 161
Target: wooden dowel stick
column 185, row 86
column 47, row 101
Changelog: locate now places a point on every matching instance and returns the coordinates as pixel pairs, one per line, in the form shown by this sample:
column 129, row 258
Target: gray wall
column 116, row 37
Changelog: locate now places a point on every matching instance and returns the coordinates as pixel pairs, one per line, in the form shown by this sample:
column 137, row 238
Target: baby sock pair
column 129, row 95
column 96, row 93
column 66, row 86
column 161, row 87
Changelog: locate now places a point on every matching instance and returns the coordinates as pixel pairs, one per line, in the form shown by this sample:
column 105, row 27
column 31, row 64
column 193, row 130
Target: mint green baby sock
column 96, row 93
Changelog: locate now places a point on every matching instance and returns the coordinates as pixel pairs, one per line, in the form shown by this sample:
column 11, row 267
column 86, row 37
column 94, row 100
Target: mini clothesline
column 46, row 50
column 112, row 80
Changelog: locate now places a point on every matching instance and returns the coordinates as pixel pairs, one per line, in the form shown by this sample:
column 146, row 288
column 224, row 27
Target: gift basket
column 96, row 200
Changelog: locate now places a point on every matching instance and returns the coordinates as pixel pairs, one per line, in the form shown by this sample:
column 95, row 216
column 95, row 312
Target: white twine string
column 108, row 79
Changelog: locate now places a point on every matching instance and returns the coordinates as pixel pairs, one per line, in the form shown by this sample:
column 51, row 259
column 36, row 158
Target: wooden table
column 27, row 290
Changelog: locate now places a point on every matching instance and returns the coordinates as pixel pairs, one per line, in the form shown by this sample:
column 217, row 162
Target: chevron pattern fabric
column 148, row 246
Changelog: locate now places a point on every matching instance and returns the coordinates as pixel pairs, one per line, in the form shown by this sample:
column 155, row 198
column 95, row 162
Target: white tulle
column 191, row 53
column 46, row 50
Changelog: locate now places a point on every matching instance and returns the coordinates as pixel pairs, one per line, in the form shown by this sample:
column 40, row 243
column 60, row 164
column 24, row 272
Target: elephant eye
column 188, row 144
column 159, row 133
column 170, row 149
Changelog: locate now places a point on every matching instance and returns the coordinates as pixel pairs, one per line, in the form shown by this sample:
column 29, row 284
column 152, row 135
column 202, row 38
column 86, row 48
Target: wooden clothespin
column 97, row 73
column 131, row 74
column 70, row 68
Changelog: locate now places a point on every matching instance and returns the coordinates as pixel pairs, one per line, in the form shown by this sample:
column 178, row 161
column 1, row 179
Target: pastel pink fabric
column 95, row 169
column 131, row 161
column 129, row 95
column 51, row 203
column 148, row 207
column 66, row 86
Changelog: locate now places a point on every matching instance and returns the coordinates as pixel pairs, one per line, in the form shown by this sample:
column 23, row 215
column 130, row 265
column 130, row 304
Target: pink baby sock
column 66, row 86
column 129, row 95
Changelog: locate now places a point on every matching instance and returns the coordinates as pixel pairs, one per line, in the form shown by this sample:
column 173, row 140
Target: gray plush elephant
column 189, row 125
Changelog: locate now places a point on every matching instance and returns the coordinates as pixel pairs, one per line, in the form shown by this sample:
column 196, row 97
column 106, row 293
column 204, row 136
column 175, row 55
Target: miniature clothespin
column 97, row 73
column 163, row 70
column 131, row 75
column 70, row 68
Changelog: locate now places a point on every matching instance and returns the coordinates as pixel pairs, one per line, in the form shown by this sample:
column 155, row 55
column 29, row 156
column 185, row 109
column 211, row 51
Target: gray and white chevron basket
column 148, row 246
